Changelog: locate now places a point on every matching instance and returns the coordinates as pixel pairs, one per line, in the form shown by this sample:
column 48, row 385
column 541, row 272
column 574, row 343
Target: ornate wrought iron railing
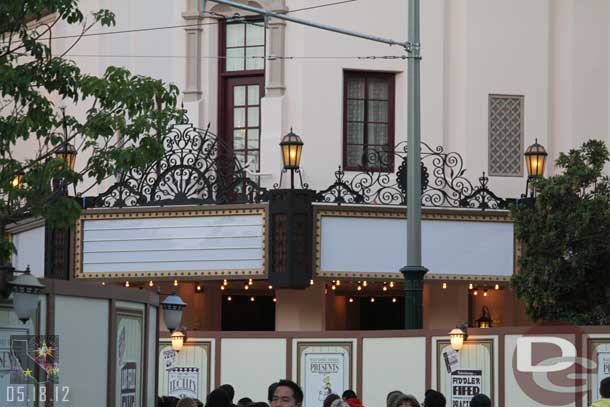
column 196, row 168
column 443, row 182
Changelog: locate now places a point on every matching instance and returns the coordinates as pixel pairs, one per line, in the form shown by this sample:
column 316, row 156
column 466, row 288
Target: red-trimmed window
column 368, row 121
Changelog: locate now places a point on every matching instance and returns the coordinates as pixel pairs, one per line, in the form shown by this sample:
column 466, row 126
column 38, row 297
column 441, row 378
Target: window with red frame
column 368, row 121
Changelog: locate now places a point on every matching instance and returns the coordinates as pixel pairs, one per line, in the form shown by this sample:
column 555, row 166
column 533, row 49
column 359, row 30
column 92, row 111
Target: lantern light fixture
column 178, row 338
column 292, row 148
column 172, row 306
column 458, row 336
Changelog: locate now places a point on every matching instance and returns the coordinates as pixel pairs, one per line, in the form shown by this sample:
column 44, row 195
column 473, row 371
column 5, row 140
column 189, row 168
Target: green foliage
column 565, row 272
column 125, row 114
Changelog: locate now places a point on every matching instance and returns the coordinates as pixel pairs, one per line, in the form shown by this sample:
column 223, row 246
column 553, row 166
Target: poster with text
column 324, row 373
column 183, row 382
column 129, row 352
column 465, row 384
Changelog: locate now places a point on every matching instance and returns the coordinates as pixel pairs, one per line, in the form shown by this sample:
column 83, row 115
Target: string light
column 229, row 298
column 270, row 287
column 246, row 287
column 225, row 282
column 274, row 299
column 394, row 299
column 338, row 283
column 333, row 287
column 476, row 292
column 222, row 287
column 103, row 283
column 359, row 288
column 364, row 283
column 127, row 284
column 497, row 287
column 470, row 286
column 372, row 299
column 251, row 299
column 250, row 282
column 385, row 288
column 444, row 286
column 485, row 293
column 150, row 283
column 391, row 284
column 351, row 299
column 311, row 282
column 198, row 287
column 175, row 283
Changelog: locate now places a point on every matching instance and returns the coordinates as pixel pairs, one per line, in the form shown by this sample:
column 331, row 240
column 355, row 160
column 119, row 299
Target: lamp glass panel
column 457, row 341
column 172, row 318
column 25, row 305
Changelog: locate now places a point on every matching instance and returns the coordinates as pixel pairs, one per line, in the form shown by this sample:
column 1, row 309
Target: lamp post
column 535, row 161
column 292, row 148
column 173, row 307
column 25, row 289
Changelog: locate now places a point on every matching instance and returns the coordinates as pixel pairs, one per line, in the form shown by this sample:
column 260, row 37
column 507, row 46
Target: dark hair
column 604, row 388
column 244, row 401
column 260, row 404
column 229, row 390
column 297, row 393
column 270, row 391
column 393, row 395
column 434, row 398
column 218, row 398
column 480, row 400
column 329, row 399
column 349, row 394
column 405, row 398
column 170, row 401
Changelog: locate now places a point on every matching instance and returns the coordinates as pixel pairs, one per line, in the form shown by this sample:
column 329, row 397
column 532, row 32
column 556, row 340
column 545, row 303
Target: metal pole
column 301, row 21
column 413, row 271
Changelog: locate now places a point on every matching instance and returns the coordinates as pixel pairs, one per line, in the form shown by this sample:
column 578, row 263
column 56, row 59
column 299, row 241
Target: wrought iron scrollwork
column 443, row 182
column 196, row 168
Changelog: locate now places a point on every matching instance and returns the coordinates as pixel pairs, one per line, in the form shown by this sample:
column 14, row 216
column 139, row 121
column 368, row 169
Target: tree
column 565, row 269
column 125, row 114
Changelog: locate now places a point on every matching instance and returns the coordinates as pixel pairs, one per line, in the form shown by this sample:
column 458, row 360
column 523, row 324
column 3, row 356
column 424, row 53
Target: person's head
column 227, row 388
column 604, row 388
column 186, row 402
column 270, row 391
column 405, row 400
column 434, row 399
column 329, row 399
column 339, row 403
column 218, row 398
column 170, row 401
column 393, row 395
column 480, row 400
column 287, row 394
column 259, row 404
column 349, row 394
column 244, row 402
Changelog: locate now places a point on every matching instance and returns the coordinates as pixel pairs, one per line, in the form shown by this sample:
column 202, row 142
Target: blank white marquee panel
column 377, row 245
column 202, row 243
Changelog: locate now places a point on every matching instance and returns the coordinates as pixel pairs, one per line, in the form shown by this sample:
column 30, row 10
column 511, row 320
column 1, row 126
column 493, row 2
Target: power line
column 268, row 58
column 169, row 27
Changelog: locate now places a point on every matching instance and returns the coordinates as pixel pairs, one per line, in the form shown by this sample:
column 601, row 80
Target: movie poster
column 324, row 373
column 129, row 346
column 465, row 384
column 183, row 382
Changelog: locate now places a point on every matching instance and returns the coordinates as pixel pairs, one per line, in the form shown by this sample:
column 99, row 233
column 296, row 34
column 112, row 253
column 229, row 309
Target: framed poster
column 186, row 373
column 323, row 368
column 129, row 358
column 475, row 371
column 599, row 353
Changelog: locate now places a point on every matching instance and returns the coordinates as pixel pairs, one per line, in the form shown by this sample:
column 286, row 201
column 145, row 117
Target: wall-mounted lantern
column 172, row 311
column 457, row 336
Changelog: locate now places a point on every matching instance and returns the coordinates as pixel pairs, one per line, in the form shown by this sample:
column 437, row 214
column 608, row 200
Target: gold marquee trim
column 148, row 213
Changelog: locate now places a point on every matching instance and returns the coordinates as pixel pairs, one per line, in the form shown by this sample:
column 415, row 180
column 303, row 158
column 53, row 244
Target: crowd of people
column 287, row 393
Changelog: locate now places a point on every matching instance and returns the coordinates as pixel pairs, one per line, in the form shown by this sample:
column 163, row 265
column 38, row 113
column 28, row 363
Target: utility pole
column 414, row 271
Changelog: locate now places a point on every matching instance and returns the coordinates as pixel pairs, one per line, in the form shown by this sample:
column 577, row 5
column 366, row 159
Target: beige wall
column 443, row 309
column 301, row 310
column 82, row 327
column 392, row 364
column 251, row 365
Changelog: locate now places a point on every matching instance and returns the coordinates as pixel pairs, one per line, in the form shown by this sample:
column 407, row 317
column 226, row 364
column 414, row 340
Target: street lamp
column 485, row 320
column 457, row 336
column 67, row 152
column 178, row 339
column 292, row 148
column 535, row 161
column 26, row 289
column 172, row 311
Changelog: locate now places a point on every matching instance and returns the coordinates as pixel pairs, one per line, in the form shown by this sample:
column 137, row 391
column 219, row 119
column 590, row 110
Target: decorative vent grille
column 506, row 135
